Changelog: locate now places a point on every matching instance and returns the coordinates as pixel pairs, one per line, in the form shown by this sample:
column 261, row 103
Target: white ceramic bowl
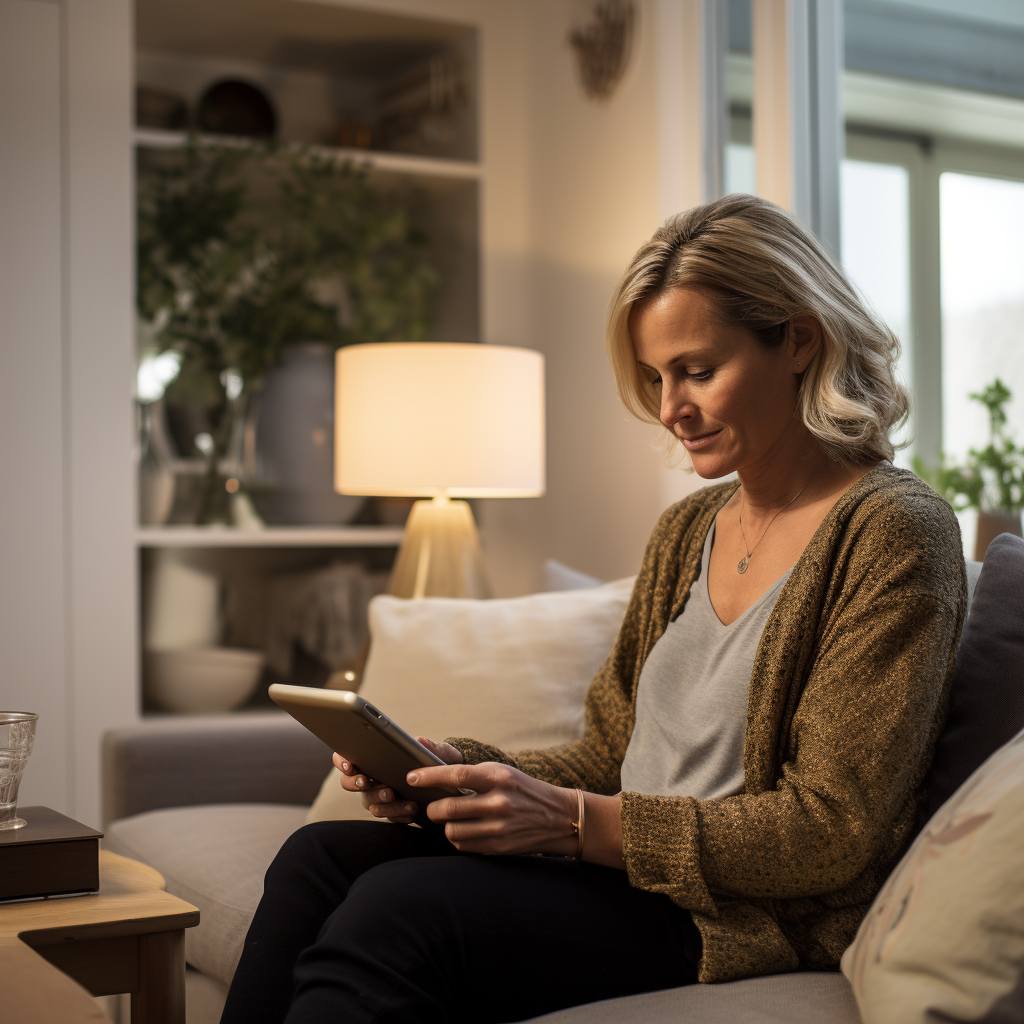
column 199, row 680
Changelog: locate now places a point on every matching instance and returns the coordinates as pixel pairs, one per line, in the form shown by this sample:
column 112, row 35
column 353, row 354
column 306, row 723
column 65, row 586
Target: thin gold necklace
column 741, row 566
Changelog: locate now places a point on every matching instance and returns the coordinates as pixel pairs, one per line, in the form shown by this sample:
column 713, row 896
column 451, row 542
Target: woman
column 756, row 742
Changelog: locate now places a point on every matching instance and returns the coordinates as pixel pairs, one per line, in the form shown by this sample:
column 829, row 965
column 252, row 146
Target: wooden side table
column 128, row 937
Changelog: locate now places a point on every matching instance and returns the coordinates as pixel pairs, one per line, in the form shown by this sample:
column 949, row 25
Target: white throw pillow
column 511, row 672
column 944, row 939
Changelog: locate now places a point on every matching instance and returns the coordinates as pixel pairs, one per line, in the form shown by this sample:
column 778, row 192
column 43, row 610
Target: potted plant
column 243, row 251
column 990, row 480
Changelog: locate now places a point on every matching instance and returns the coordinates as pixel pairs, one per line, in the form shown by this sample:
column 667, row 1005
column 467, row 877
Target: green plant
column 244, row 250
column 991, row 479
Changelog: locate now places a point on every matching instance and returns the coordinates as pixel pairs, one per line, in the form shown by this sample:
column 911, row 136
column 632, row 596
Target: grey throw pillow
column 987, row 700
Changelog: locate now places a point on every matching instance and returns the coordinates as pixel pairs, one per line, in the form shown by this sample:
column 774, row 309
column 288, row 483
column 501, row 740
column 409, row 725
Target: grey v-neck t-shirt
column 691, row 706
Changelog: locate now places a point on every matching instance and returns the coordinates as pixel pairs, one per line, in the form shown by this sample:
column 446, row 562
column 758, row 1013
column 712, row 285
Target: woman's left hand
column 507, row 812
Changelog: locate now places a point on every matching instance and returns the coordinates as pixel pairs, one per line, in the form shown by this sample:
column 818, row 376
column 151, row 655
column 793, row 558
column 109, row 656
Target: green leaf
column 991, row 479
column 233, row 244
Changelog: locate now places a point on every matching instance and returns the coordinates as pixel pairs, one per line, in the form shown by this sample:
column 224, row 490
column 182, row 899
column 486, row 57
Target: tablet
column 363, row 735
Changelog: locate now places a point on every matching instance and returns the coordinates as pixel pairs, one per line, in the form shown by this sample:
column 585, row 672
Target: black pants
column 365, row 922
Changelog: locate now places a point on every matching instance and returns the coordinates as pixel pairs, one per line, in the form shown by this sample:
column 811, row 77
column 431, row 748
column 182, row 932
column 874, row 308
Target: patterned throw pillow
column 944, row 939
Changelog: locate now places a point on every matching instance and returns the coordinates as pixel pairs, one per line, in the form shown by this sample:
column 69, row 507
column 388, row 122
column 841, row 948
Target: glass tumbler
column 17, row 733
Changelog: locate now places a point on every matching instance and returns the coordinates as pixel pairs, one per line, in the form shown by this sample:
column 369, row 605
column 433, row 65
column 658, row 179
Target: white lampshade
column 439, row 418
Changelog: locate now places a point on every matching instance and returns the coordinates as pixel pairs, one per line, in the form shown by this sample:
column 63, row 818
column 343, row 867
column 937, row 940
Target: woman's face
column 729, row 400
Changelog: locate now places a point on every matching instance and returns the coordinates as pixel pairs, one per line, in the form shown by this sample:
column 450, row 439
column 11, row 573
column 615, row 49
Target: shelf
column 271, row 537
column 398, row 163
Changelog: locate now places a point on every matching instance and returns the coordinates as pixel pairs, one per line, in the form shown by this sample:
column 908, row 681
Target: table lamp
column 441, row 420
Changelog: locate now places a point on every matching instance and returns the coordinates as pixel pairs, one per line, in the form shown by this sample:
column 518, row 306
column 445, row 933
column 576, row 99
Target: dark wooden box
column 52, row 855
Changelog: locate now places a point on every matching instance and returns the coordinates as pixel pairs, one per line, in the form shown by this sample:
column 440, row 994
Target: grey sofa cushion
column 214, row 857
column 804, row 998
column 178, row 761
column 986, row 706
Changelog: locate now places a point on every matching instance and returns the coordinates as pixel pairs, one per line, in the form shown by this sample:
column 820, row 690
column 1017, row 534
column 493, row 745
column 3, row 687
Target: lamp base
column 440, row 554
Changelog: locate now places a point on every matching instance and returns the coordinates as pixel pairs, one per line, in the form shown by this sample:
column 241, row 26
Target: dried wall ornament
column 602, row 47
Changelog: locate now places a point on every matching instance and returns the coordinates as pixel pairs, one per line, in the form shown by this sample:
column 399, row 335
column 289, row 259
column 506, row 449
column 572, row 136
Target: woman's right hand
column 381, row 800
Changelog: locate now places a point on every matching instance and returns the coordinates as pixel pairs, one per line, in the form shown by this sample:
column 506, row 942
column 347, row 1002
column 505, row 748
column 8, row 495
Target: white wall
column 67, row 569
column 593, row 199
column 33, row 652
column 100, row 361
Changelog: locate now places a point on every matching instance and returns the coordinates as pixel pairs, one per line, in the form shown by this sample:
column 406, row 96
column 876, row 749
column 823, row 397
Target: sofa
column 209, row 801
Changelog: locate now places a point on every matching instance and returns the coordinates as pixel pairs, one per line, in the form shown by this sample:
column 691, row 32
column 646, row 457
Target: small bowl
column 234, row 107
column 202, row 680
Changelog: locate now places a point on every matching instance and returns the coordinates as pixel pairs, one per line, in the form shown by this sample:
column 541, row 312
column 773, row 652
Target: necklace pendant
column 741, row 568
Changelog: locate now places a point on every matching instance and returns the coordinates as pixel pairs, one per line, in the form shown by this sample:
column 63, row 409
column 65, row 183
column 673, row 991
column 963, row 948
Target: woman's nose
column 674, row 406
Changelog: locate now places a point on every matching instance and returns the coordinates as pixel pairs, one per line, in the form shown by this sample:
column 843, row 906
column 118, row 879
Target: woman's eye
column 698, row 375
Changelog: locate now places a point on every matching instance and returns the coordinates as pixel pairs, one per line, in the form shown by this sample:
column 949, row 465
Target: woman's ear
column 804, row 340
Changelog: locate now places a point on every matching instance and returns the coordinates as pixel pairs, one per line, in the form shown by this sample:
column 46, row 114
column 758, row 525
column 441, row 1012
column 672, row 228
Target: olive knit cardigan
column 848, row 692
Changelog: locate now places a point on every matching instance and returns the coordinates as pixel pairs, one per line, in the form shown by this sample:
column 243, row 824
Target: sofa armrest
column 247, row 757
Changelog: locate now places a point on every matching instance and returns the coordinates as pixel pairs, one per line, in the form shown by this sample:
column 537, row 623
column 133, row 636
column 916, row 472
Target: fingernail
column 344, row 766
column 360, row 782
column 409, row 808
column 413, row 778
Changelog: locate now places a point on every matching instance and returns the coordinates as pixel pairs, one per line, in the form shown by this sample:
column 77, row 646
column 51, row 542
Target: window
column 982, row 287
column 875, row 238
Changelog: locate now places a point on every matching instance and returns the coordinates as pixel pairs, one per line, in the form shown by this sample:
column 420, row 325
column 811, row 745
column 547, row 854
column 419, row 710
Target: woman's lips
column 692, row 444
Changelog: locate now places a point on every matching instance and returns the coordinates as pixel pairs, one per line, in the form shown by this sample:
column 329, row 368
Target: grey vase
column 295, row 442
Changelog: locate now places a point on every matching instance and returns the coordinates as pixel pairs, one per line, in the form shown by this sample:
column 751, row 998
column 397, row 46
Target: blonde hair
column 759, row 267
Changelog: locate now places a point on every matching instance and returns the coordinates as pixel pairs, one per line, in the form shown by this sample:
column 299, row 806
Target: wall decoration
column 602, row 47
